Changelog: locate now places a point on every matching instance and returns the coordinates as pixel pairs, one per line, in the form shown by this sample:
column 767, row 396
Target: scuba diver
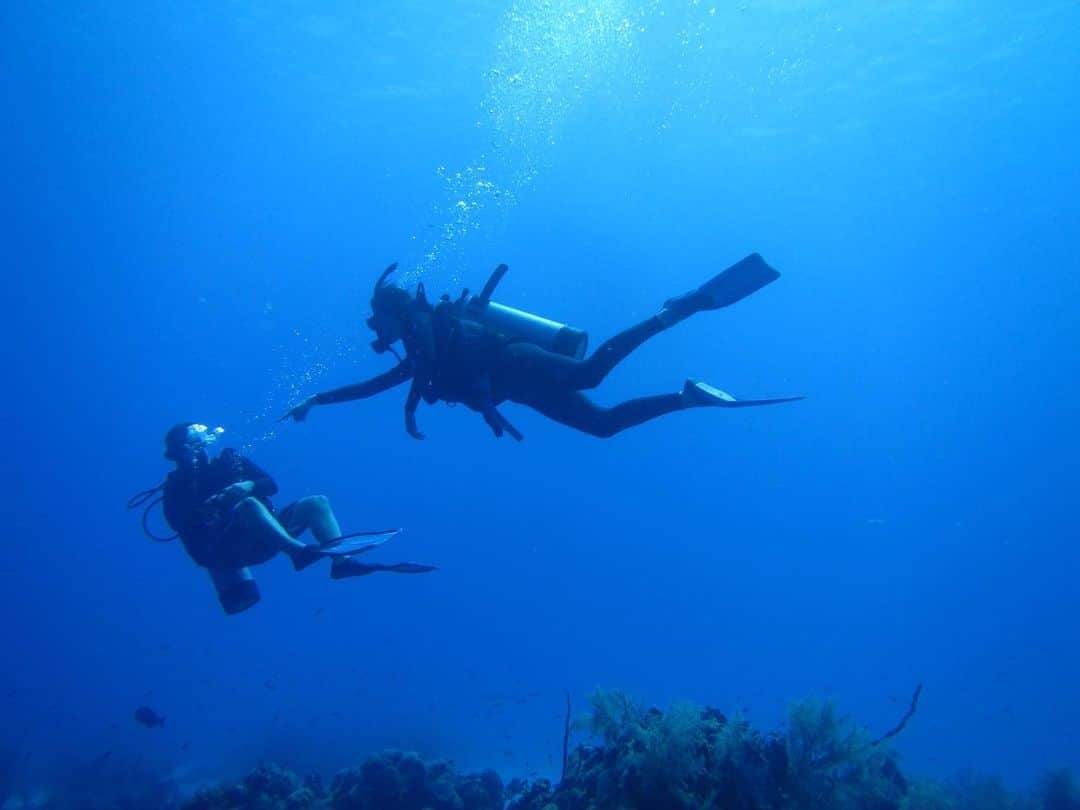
column 220, row 509
column 482, row 353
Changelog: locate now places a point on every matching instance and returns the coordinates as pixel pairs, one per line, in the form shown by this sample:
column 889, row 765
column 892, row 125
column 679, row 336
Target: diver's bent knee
column 315, row 502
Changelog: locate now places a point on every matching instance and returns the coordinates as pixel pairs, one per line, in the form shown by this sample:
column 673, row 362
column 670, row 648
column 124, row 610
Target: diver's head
column 187, row 442
column 390, row 305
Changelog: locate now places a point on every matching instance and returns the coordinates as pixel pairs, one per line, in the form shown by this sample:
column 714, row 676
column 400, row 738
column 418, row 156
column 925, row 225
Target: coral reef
column 392, row 780
column 268, row 787
column 1059, row 791
column 692, row 757
column 638, row 758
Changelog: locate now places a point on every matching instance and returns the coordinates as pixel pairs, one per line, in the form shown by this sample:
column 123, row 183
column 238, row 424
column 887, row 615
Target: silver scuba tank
column 548, row 334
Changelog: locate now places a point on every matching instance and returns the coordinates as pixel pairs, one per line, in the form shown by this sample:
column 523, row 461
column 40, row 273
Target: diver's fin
column 343, row 569
column 409, row 568
column 742, row 279
column 357, row 543
column 703, row 394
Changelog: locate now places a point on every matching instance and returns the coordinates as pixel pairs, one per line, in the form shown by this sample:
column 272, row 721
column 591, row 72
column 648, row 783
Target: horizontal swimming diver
column 478, row 352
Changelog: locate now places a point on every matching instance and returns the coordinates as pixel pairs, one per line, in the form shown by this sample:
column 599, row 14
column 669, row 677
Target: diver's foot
column 302, row 558
column 698, row 394
column 682, row 307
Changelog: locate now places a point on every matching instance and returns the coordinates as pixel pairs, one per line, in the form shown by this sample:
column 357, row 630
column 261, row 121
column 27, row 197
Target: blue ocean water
column 199, row 197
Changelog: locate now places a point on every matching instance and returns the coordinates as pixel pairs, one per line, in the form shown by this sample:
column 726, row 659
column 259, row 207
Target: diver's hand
column 299, row 412
column 410, row 426
column 234, row 493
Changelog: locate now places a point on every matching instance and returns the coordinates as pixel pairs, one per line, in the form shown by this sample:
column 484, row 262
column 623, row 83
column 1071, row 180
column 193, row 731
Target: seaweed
column 832, row 763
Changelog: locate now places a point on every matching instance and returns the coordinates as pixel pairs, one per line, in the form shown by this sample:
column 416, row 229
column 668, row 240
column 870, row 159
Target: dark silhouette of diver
column 220, row 509
column 482, row 353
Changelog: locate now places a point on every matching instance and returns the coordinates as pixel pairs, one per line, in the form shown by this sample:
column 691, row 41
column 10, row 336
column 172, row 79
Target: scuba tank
column 545, row 333
column 236, row 588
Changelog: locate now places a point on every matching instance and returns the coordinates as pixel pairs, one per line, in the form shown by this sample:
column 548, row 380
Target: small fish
column 146, row 716
column 270, row 685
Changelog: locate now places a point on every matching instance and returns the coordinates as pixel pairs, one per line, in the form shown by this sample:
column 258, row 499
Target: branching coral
column 832, row 763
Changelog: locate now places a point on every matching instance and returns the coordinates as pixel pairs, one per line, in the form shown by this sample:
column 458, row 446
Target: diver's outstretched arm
column 369, row 388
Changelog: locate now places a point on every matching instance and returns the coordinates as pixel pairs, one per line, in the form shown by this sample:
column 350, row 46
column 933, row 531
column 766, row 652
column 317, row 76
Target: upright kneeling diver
column 220, row 509
column 476, row 351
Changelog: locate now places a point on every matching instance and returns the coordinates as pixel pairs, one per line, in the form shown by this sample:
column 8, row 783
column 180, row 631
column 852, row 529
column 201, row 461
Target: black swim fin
column 343, row 569
column 739, row 281
column 742, row 279
column 702, row 394
column 357, row 543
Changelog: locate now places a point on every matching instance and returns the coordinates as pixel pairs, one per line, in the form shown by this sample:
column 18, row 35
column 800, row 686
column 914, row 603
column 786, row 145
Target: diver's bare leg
column 255, row 518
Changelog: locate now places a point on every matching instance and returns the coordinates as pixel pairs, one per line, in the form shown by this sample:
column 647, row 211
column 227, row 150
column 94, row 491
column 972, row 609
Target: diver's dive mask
column 199, row 437
column 386, row 331
column 384, row 321
column 192, row 442
column 189, row 440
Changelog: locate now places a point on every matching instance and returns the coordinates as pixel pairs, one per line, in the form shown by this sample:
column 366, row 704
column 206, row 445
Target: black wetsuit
column 453, row 359
column 207, row 532
column 552, row 383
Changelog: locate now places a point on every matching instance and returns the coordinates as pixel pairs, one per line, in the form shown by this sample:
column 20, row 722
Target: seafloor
column 638, row 759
